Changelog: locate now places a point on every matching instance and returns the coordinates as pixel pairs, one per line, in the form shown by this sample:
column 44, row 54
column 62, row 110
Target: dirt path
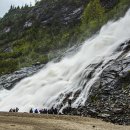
column 24, row 121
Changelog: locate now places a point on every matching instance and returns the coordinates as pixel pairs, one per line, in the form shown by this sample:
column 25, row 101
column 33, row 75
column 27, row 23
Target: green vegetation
column 25, row 38
column 94, row 98
column 95, row 15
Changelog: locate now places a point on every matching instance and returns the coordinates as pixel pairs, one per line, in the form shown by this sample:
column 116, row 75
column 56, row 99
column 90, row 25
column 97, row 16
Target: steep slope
column 109, row 96
column 95, row 78
column 35, row 34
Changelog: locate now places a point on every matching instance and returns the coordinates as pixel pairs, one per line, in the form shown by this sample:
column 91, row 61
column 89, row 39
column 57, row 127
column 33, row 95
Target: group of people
column 44, row 111
column 53, row 110
column 47, row 111
column 14, row 110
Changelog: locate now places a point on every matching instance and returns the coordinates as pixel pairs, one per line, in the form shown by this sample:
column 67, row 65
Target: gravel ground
column 25, row 121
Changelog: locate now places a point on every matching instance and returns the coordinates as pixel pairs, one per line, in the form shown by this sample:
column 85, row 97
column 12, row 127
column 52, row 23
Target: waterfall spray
column 73, row 75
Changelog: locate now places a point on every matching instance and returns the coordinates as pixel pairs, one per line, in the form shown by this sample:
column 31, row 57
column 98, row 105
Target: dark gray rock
column 58, row 12
column 109, row 95
column 108, row 3
column 112, row 95
column 8, row 81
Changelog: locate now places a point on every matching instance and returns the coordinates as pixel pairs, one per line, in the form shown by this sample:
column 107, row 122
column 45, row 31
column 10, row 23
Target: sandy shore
column 25, row 121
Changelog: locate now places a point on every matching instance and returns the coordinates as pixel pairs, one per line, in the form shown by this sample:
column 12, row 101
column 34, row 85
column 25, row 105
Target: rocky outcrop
column 8, row 81
column 109, row 98
column 108, row 3
column 58, row 12
column 109, row 95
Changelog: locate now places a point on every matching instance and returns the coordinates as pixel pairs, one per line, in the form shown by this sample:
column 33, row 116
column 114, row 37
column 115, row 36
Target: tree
column 30, row 4
column 18, row 7
column 26, row 6
column 11, row 8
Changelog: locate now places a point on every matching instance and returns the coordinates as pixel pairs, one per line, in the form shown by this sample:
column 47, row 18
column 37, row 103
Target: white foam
column 52, row 83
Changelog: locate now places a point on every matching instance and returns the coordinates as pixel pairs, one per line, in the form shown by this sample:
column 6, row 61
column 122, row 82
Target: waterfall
column 71, row 77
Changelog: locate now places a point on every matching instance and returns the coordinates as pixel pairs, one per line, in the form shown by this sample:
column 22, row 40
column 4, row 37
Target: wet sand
column 25, row 121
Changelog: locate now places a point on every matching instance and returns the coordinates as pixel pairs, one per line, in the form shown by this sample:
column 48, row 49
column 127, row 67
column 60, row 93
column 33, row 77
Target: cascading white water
column 48, row 87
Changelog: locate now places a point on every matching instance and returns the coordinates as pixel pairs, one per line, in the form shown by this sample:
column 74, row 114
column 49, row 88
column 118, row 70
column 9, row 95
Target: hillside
column 35, row 34
column 89, row 72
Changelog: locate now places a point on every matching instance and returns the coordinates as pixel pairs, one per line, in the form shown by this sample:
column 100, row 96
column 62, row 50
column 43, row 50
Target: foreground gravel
column 25, row 121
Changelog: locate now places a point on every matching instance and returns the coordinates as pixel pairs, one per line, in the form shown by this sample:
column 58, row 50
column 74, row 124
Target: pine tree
column 30, row 4
column 18, row 7
column 11, row 7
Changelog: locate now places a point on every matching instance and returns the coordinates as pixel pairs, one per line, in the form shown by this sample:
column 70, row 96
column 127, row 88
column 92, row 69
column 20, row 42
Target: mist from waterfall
column 49, row 87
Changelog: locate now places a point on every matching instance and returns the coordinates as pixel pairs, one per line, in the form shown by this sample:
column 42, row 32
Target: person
column 48, row 111
column 14, row 110
column 55, row 111
column 31, row 110
column 41, row 111
column 69, row 102
column 45, row 111
column 36, row 111
column 11, row 110
column 69, row 105
column 52, row 110
column 17, row 109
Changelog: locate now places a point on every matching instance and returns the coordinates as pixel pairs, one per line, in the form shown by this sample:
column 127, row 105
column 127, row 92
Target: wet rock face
column 8, row 81
column 109, row 96
column 110, row 99
column 108, row 3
